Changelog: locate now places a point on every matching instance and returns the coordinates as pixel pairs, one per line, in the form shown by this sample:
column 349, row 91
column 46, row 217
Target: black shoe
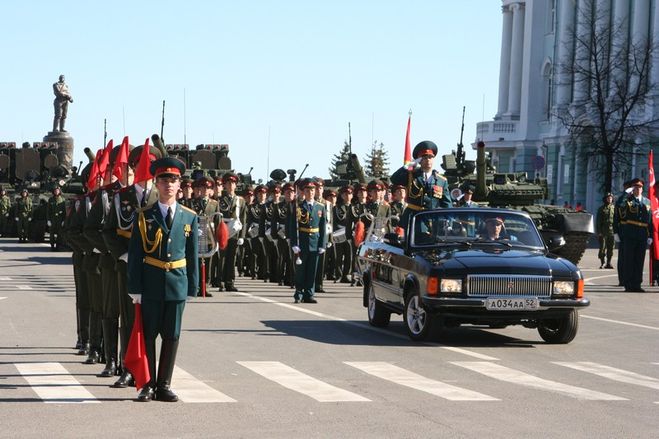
column 608, row 266
column 309, row 300
column 320, row 290
column 109, row 371
column 125, row 380
column 297, row 300
column 92, row 358
column 345, row 280
column 146, row 394
column 165, row 394
column 231, row 288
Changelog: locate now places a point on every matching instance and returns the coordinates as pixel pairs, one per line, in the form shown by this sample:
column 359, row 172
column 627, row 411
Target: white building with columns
column 524, row 135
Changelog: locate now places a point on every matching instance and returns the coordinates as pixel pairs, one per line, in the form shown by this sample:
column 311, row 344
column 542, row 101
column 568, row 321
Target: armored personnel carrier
column 514, row 190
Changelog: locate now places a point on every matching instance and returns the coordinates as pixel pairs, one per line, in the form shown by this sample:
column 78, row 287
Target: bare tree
column 609, row 70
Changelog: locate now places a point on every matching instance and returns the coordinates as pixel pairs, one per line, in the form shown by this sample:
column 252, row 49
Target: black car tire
column 559, row 330
column 420, row 324
column 378, row 315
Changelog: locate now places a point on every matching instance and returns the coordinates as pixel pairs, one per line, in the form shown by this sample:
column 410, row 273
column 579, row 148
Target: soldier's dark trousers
column 285, row 269
column 95, row 316
column 110, row 314
column 634, row 251
column 344, row 254
column 620, row 264
column 82, row 300
column 258, row 264
column 126, row 310
column 162, row 318
column 305, row 275
column 215, row 270
column 606, row 245
column 229, row 256
column 320, row 273
column 274, row 261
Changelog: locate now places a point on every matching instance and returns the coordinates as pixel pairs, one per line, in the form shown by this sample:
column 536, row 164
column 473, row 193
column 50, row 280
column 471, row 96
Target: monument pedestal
column 64, row 147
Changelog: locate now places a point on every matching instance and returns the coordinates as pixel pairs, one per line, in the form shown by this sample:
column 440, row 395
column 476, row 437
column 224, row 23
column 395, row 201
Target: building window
column 548, row 79
column 551, row 16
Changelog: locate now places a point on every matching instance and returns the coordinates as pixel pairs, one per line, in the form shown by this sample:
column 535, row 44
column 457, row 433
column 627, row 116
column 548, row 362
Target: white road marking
column 53, row 383
column 588, row 279
column 300, row 382
column 636, row 325
column 518, row 377
column 23, row 287
column 612, row 373
column 190, row 389
column 398, row 375
column 2, row 298
column 5, row 278
column 363, row 326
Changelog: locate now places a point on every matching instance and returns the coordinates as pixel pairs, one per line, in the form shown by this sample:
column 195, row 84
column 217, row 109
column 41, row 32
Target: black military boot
column 84, row 331
column 148, row 392
column 110, row 334
column 165, row 371
column 125, row 380
column 95, row 330
column 608, row 263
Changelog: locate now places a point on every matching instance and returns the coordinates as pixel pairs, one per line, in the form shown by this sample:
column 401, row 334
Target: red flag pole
column 408, row 148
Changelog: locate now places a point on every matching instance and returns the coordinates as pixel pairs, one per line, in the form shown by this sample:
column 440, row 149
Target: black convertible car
column 477, row 266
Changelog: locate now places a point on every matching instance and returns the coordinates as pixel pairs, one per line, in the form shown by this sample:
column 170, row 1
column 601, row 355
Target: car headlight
column 450, row 286
column 563, row 288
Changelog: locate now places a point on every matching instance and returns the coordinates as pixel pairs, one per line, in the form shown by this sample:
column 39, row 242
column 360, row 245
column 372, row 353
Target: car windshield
column 474, row 227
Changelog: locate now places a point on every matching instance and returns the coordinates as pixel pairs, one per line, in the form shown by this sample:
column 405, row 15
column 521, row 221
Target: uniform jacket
column 5, row 205
column 634, row 218
column 308, row 227
column 24, row 207
column 55, row 210
column 425, row 195
column 345, row 215
column 604, row 219
column 256, row 214
column 159, row 242
column 234, row 208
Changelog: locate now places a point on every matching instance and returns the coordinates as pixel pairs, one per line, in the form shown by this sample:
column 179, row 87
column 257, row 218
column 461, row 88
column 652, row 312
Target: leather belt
column 636, row 223
column 124, row 233
column 164, row 265
column 415, row 207
column 309, row 229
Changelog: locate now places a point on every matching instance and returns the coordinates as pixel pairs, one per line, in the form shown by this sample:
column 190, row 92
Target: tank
column 516, row 191
column 348, row 171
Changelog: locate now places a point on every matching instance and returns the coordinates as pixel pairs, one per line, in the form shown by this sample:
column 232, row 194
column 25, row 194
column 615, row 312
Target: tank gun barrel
column 357, row 168
column 157, row 142
column 90, row 155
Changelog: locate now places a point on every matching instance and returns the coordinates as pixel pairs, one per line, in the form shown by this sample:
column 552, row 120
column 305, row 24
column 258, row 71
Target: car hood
column 501, row 261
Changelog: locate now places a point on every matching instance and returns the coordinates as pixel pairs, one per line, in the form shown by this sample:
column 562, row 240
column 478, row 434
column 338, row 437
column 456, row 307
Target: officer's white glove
column 29, row 219
column 49, row 224
column 329, row 245
column 241, row 241
column 16, row 218
column 296, row 249
column 616, row 237
column 413, row 164
column 649, row 241
column 124, row 257
column 137, row 298
column 321, row 251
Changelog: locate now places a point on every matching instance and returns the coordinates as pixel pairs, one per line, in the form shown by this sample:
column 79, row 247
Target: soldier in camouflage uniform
column 604, row 229
column 5, row 206
column 23, row 215
column 55, row 212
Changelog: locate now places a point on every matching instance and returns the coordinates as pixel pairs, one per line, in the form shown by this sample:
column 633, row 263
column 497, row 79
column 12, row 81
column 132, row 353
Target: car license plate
column 516, row 304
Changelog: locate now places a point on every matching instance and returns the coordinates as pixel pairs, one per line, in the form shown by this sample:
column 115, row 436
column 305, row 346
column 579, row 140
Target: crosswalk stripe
column 612, row 373
column 398, row 375
column 299, row 382
column 23, row 287
column 5, row 278
column 518, row 377
column 190, row 389
column 53, row 383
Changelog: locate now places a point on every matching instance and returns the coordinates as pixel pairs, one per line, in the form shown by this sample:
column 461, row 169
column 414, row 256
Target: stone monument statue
column 61, row 103
column 59, row 135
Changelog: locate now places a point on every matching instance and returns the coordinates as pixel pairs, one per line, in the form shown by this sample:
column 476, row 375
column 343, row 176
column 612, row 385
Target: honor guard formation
column 148, row 234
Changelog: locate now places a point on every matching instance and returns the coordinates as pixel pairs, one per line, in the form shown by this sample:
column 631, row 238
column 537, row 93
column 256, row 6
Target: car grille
column 509, row 285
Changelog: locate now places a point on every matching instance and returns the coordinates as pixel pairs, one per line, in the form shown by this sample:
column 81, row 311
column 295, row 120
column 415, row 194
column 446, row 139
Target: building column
column 640, row 36
column 504, row 69
column 654, row 74
column 516, row 60
column 582, row 56
column 602, row 25
column 620, row 43
column 565, row 52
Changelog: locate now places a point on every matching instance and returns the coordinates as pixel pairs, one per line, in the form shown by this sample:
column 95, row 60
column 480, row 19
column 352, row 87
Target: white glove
column 16, row 218
column 241, row 241
column 137, row 298
column 616, row 237
column 124, row 257
column 49, row 224
column 296, row 249
column 649, row 241
column 329, row 244
column 29, row 219
column 413, row 164
column 321, row 251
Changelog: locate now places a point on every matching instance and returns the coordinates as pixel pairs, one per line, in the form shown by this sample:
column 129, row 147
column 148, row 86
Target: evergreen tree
column 377, row 162
column 340, row 160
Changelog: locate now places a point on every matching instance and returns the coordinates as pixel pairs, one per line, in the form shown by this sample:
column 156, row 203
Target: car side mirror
column 555, row 242
column 393, row 239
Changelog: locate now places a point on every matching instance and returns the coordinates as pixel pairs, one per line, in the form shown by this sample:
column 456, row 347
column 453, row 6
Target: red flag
column 121, row 160
column 142, row 173
column 408, row 148
column 654, row 205
column 222, row 235
column 93, row 174
column 135, row 359
column 105, row 160
column 360, row 232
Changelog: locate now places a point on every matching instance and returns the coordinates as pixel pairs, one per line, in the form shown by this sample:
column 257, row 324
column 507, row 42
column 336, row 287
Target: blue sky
column 296, row 70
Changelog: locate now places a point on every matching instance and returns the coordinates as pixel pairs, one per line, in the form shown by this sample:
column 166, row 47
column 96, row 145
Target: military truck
column 514, row 190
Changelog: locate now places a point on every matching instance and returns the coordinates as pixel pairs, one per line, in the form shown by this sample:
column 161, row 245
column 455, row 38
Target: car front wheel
column 378, row 315
column 559, row 330
column 418, row 321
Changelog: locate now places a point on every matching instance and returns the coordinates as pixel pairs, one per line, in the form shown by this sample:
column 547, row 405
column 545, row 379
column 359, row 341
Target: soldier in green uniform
column 5, row 207
column 163, row 274
column 206, row 207
column 308, row 240
column 55, row 215
column 23, row 215
column 138, row 193
column 636, row 222
column 234, row 214
column 604, row 230
column 426, row 188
